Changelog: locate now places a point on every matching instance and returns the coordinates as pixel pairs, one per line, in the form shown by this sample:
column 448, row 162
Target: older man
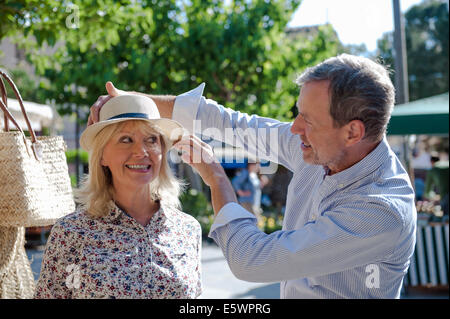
column 349, row 226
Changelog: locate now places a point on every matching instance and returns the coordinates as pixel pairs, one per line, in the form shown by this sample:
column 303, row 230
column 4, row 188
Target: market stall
column 430, row 263
column 426, row 116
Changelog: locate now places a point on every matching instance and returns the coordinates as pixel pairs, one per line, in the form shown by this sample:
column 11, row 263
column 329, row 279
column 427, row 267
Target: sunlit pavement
column 220, row 283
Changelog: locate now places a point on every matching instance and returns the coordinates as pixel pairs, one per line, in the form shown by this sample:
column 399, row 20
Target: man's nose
column 298, row 126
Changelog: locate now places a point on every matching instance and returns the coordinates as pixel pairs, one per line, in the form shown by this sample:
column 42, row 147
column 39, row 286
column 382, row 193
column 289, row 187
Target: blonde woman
column 128, row 239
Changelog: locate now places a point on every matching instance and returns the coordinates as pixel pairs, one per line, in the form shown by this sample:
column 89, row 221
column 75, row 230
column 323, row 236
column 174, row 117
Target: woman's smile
column 140, row 168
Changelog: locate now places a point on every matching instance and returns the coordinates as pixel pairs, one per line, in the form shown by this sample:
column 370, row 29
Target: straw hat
column 131, row 107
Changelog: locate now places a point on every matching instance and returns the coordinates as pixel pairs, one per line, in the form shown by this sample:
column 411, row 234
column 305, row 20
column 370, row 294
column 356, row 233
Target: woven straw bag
column 35, row 187
column 16, row 276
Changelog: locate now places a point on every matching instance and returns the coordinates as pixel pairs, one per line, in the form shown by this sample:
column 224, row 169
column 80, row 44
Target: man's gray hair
column 359, row 89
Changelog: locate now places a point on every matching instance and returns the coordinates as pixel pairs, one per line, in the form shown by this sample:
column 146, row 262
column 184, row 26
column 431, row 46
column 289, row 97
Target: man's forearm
column 164, row 103
column 222, row 193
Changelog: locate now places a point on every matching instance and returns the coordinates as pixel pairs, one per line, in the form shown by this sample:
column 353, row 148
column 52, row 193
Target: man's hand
column 164, row 103
column 200, row 156
column 95, row 108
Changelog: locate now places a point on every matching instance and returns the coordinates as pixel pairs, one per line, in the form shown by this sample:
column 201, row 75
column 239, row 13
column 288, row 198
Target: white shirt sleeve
column 263, row 138
column 228, row 213
column 186, row 107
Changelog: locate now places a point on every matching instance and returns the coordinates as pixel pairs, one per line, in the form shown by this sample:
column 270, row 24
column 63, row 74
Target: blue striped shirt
column 349, row 235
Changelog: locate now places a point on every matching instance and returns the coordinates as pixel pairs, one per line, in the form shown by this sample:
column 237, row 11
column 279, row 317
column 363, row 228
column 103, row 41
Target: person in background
column 247, row 185
column 437, row 179
column 279, row 188
column 420, row 163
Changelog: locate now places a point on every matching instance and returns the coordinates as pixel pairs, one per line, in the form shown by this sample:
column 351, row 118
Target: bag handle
column 8, row 115
column 5, row 101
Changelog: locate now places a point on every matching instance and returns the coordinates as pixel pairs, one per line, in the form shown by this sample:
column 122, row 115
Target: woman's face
column 133, row 155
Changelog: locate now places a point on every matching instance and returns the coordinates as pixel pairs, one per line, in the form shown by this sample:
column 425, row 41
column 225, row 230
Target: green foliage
column 73, row 180
column 239, row 48
column 45, row 131
column 385, row 51
column 196, row 204
column 270, row 223
column 52, row 20
column 426, row 32
column 242, row 53
column 427, row 42
column 28, row 85
column 72, row 154
column 140, row 58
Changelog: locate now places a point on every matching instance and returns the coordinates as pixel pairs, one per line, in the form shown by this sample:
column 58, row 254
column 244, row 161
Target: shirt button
column 341, row 185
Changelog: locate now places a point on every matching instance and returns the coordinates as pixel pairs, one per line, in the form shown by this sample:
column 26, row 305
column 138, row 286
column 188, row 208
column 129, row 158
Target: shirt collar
column 364, row 167
column 115, row 212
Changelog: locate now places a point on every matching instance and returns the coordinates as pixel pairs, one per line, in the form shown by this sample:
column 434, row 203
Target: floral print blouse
column 116, row 257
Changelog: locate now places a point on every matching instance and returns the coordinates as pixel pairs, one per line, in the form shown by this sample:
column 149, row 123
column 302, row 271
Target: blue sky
column 355, row 21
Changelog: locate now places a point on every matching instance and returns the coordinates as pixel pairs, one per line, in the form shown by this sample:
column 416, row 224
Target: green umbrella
column 425, row 116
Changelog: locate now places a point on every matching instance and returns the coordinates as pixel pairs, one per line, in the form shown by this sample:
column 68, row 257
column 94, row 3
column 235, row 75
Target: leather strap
column 19, row 98
column 5, row 101
column 8, row 115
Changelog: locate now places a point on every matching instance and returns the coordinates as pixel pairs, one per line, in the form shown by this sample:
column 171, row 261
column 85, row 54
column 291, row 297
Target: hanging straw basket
column 16, row 277
column 35, row 188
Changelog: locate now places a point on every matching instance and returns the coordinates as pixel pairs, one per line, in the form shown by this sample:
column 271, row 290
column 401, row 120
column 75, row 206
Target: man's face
column 322, row 143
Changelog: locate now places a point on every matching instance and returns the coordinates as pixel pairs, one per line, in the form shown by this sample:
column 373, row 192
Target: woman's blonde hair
column 95, row 194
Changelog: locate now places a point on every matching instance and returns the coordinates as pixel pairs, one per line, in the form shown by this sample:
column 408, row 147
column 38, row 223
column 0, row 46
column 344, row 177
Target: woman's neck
column 136, row 203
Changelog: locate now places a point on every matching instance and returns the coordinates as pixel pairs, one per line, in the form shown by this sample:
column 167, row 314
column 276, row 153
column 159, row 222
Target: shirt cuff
column 228, row 213
column 186, row 107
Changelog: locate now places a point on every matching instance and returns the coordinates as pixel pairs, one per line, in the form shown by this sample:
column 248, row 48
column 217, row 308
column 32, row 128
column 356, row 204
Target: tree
column 244, row 55
column 143, row 58
column 41, row 26
column 238, row 48
column 28, row 85
column 47, row 21
column 426, row 31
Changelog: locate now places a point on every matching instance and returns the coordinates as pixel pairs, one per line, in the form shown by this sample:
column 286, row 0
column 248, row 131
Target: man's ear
column 355, row 132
